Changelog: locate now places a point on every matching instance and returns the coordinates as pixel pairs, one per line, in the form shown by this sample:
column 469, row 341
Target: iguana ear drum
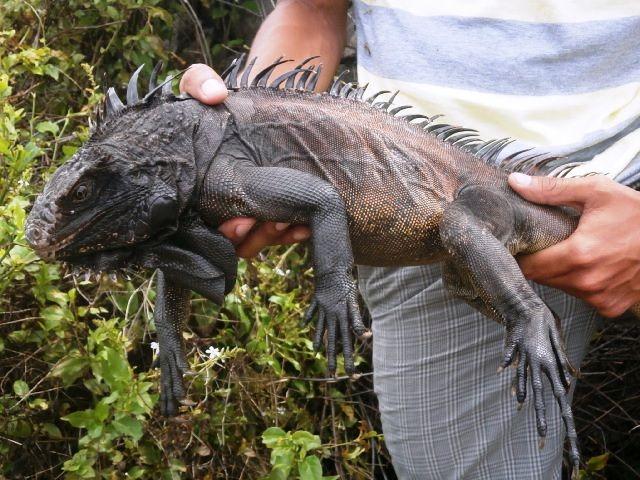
column 163, row 214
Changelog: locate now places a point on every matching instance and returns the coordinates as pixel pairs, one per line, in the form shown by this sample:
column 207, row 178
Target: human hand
column 204, row 84
column 600, row 261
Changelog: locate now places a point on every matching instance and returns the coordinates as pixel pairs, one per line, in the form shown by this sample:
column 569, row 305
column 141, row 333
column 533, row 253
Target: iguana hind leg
column 477, row 230
column 458, row 283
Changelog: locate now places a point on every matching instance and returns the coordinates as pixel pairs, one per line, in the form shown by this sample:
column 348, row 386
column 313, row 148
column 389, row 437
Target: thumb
column 204, row 84
column 572, row 192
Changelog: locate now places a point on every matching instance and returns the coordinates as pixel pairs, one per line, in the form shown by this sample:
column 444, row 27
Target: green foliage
column 77, row 394
column 289, row 453
column 594, row 464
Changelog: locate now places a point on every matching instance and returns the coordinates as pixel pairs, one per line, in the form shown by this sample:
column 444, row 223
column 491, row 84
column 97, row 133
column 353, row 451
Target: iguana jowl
column 157, row 176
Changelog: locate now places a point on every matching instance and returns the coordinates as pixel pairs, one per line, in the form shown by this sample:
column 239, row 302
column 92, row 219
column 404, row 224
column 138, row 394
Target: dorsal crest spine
column 304, row 78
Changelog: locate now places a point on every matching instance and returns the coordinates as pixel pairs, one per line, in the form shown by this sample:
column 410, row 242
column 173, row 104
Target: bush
column 78, row 395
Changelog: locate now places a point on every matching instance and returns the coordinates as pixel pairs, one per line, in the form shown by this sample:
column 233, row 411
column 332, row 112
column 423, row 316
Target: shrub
column 78, row 395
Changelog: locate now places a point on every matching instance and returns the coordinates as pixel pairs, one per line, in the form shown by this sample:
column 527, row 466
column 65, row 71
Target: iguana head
column 102, row 200
column 125, row 187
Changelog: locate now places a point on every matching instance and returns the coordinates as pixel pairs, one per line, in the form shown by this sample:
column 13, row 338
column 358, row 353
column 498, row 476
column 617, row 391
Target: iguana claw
column 335, row 305
column 536, row 340
column 173, row 365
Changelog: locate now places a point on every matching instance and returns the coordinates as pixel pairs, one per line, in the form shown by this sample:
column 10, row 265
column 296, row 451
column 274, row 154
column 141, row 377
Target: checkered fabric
column 446, row 413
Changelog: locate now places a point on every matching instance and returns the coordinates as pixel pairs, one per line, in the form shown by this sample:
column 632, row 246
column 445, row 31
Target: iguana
column 158, row 175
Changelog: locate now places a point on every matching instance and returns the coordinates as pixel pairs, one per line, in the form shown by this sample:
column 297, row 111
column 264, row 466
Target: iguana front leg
column 171, row 311
column 199, row 259
column 476, row 230
column 286, row 195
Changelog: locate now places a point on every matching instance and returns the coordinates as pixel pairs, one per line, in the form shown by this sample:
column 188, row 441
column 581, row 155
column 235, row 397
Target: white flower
column 280, row 272
column 214, row 352
column 155, row 347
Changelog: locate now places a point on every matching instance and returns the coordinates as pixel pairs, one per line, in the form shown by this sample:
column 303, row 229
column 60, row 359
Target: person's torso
column 560, row 75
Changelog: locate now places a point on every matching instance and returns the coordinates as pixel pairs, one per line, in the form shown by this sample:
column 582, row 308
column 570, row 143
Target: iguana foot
column 535, row 339
column 173, row 366
column 335, row 305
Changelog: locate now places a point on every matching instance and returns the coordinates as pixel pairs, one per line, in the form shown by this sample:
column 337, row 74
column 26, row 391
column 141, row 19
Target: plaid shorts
column 446, row 413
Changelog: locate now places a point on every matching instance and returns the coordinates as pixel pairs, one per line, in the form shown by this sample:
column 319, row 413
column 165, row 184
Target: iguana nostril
column 37, row 237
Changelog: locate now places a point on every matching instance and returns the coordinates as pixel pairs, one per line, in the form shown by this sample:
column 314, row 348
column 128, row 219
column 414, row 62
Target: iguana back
column 394, row 176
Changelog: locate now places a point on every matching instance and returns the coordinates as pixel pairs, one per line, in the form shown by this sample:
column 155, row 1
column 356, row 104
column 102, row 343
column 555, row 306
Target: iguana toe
column 535, row 339
column 172, row 368
column 335, row 320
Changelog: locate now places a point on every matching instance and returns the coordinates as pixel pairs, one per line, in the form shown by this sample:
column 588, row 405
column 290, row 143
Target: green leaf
column 47, row 126
column 177, row 465
column 271, row 436
column 39, row 403
column 81, row 465
column 129, row 426
column 17, row 428
column 52, row 71
column 355, row 453
column 306, row 440
column 282, row 462
column 101, row 412
column 114, row 368
column 135, row 473
column 52, row 317
column 595, row 464
column 51, row 430
column 22, row 255
column 71, row 368
column 310, row 468
column 20, row 388
column 80, row 419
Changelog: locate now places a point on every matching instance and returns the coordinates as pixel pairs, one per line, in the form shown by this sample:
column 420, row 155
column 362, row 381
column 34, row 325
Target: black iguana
column 158, row 175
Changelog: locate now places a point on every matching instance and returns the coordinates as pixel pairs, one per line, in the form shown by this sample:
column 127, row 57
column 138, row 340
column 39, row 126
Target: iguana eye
column 81, row 192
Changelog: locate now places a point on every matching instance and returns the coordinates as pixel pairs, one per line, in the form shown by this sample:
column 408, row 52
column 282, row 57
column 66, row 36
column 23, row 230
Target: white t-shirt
column 560, row 75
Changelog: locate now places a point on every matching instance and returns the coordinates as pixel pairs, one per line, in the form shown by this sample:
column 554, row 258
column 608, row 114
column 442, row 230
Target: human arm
column 600, row 261
column 296, row 29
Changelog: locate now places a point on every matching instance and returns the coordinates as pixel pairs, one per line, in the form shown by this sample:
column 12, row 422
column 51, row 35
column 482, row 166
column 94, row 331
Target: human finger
column 204, row 84
column 237, row 228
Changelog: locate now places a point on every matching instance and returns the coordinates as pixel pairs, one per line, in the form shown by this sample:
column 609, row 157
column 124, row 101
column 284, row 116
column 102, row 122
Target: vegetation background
column 77, row 394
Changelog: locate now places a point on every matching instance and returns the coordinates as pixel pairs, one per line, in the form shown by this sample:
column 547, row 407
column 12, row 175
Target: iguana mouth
column 48, row 252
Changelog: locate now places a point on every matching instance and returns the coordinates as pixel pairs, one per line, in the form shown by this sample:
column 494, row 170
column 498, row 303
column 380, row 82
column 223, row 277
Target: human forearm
column 298, row 29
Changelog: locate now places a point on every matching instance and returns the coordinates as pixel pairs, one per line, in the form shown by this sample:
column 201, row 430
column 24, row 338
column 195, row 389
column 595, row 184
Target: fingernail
column 299, row 236
column 521, row 179
column 280, row 226
column 242, row 230
column 211, row 88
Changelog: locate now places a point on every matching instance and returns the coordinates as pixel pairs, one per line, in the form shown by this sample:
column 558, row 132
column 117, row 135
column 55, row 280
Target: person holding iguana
column 541, row 71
